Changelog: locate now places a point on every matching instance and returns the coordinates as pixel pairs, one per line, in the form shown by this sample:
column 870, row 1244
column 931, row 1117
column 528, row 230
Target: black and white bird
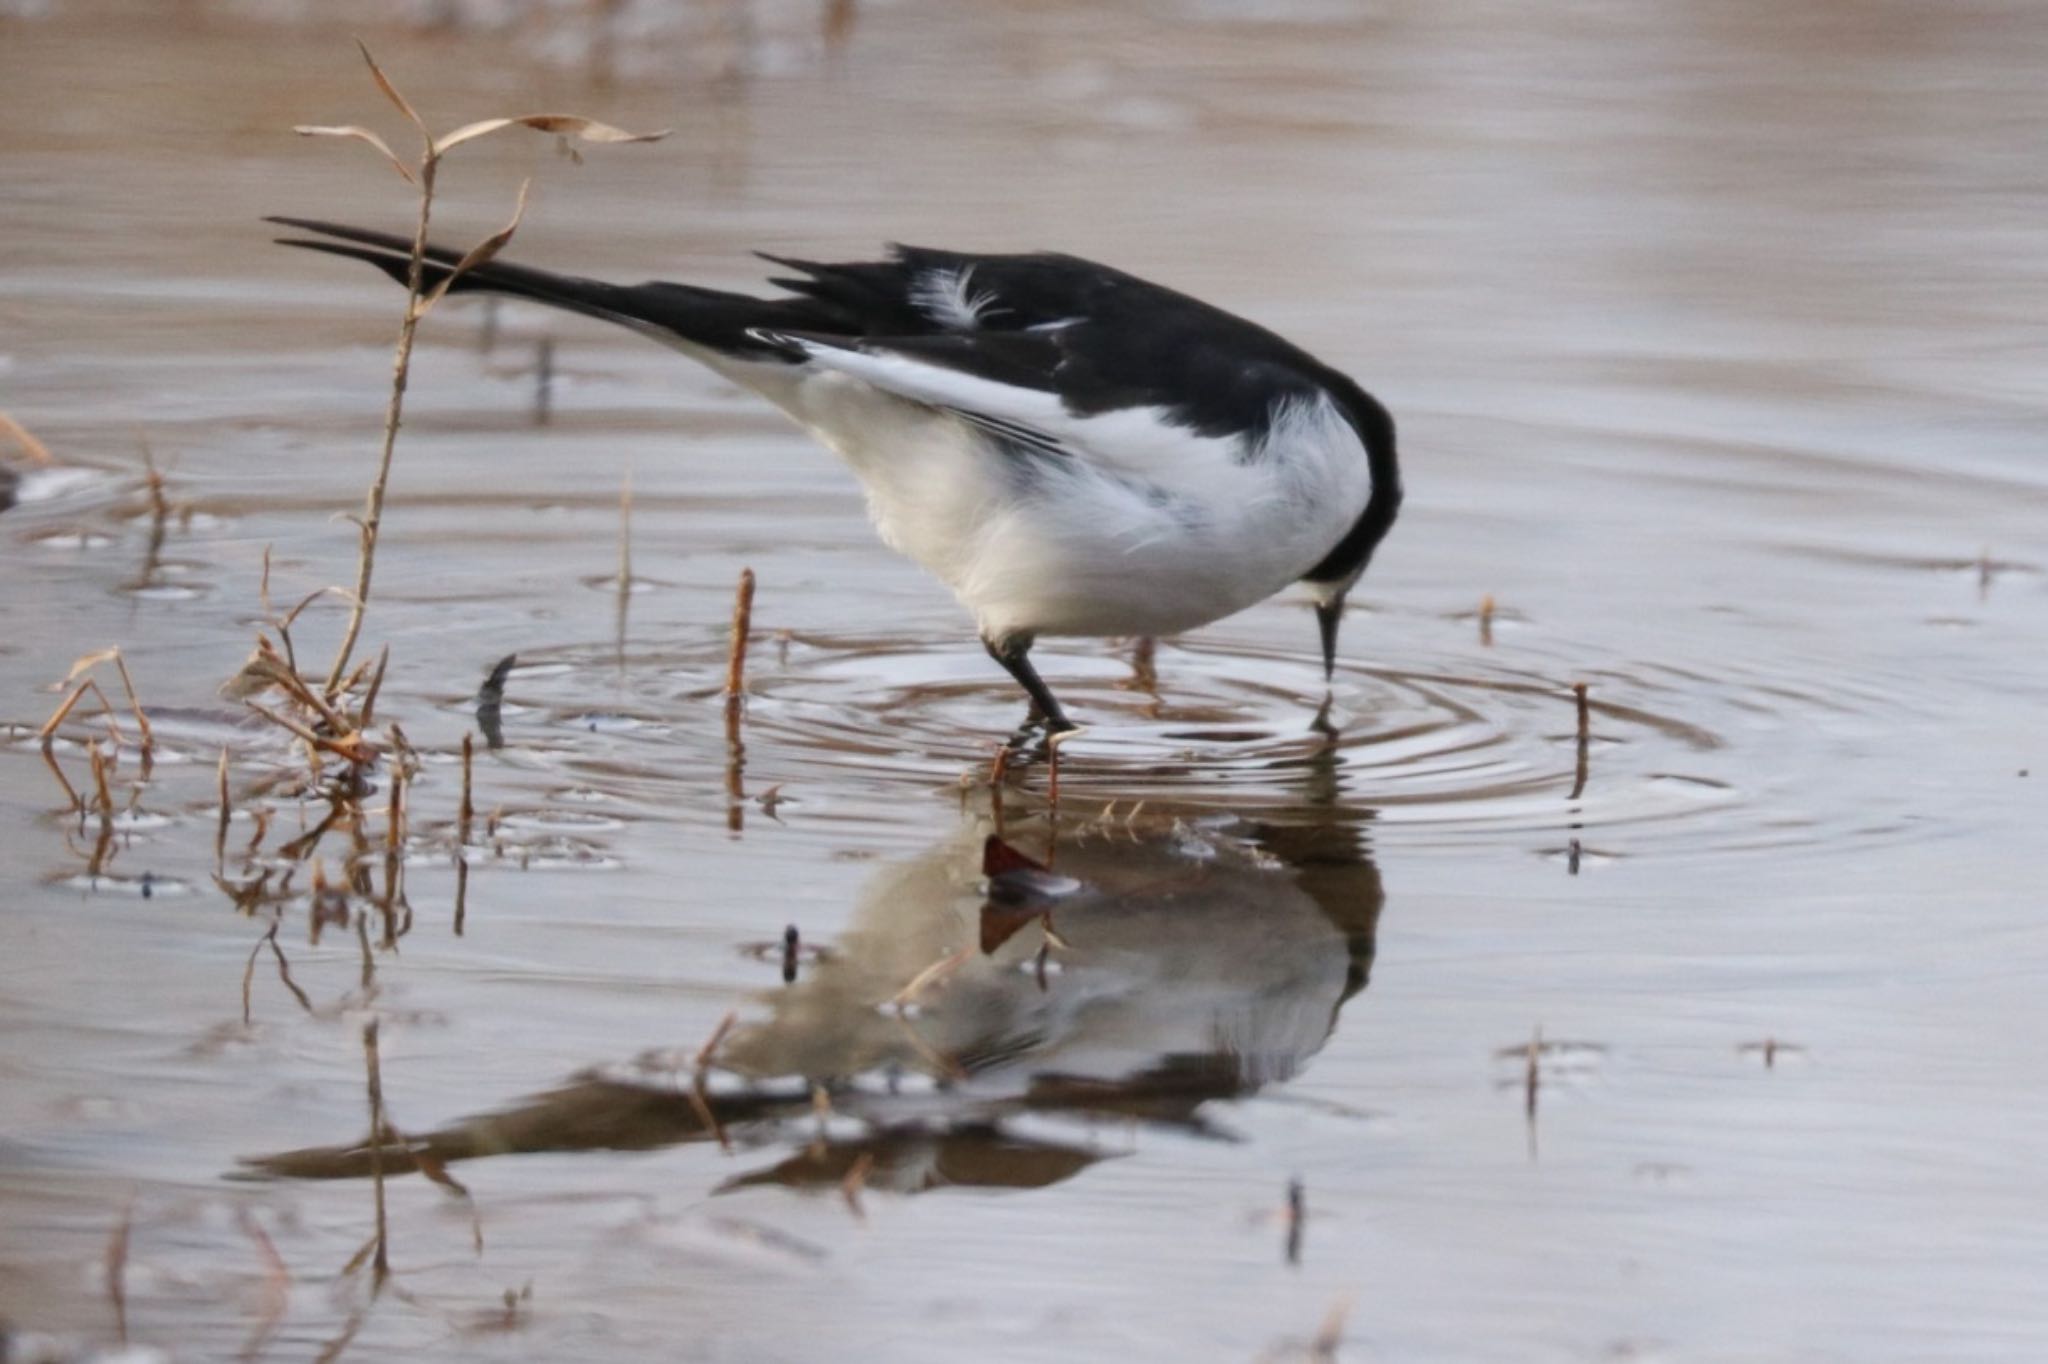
column 1071, row 449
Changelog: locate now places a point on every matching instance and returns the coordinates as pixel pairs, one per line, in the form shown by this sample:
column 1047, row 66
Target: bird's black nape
column 1329, row 615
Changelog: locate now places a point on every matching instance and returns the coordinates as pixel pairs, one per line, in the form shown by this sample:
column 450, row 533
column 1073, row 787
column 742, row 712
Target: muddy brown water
column 1714, row 334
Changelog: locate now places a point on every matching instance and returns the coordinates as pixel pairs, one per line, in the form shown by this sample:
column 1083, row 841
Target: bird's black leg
column 1328, row 614
column 1014, row 653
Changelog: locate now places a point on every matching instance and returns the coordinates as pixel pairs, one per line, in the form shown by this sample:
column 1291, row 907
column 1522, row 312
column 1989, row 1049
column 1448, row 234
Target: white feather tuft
column 947, row 297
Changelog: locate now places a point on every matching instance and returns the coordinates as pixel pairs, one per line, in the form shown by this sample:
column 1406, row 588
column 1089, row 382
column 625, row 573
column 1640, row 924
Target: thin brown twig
column 335, row 1348
column 376, row 686
column 742, row 627
column 709, row 1050
column 102, row 767
column 467, row 811
column 220, row 835
column 1583, row 766
column 63, row 712
column 249, row 974
column 134, row 704
column 401, row 373
column 71, row 795
column 626, row 530
column 37, row 452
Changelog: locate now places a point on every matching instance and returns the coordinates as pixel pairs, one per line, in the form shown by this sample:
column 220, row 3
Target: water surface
column 1714, row 341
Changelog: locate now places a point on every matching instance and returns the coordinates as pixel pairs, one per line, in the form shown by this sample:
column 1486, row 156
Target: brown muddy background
column 1715, row 336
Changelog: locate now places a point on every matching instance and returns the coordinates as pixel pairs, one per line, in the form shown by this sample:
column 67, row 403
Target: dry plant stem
column 220, row 837
column 71, row 796
column 700, row 1101
column 626, row 531
column 335, row 1348
column 468, row 810
column 1585, row 740
column 717, row 1038
column 376, row 686
column 1532, row 1082
column 134, row 702
column 419, row 301
column 742, row 627
column 63, row 712
column 103, row 797
column 14, row 431
column 249, row 975
column 394, row 413
column 368, row 978
column 998, row 770
column 381, row 1264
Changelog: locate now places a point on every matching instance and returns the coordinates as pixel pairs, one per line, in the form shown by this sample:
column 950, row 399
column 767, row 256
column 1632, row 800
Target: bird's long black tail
column 713, row 318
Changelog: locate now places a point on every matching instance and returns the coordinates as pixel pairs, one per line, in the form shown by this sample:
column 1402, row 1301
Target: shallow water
column 1714, row 340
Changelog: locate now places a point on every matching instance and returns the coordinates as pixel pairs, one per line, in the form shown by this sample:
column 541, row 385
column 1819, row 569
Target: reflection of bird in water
column 1180, row 966
column 1071, row 449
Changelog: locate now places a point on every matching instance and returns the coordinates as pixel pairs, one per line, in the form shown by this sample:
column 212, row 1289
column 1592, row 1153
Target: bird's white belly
column 1063, row 546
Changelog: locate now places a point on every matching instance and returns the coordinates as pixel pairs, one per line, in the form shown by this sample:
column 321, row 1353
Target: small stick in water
column 468, row 810
column 380, row 1266
column 376, row 685
column 742, row 627
column 1297, row 1214
column 220, row 836
column 998, row 770
column 626, row 530
column 1532, row 1081
column 623, row 598
column 735, row 700
column 717, row 1038
column 1486, row 620
column 1769, row 1049
column 1052, row 749
column 101, row 766
column 792, row 943
column 1585, row 738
